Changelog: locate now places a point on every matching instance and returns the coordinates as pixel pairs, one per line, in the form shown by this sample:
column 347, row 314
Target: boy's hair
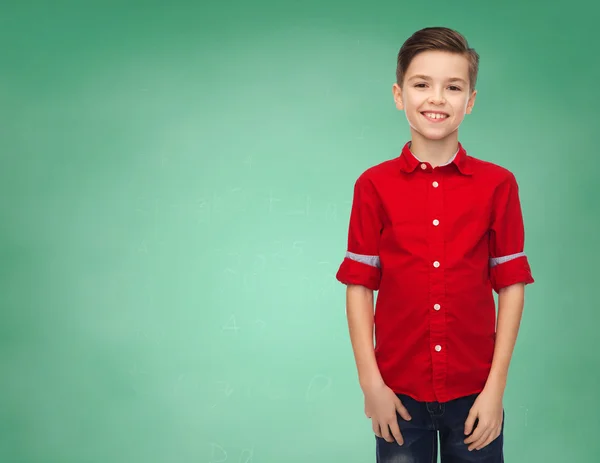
column 440, row 39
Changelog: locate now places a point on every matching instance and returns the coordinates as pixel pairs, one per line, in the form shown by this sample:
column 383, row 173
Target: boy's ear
column 471, row 102
column 397, row 93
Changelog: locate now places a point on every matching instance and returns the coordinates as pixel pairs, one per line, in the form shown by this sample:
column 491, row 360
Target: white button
column 435, row 184
column 436, row 307
column 436, row 264
column 436, row 222
column 423, row 166
column 438, row 348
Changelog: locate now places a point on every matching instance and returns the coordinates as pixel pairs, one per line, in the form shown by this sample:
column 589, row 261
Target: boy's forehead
column 438, row 65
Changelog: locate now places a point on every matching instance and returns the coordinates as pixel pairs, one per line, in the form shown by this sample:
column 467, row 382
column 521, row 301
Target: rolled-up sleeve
column 361, row 264
column 508, row 261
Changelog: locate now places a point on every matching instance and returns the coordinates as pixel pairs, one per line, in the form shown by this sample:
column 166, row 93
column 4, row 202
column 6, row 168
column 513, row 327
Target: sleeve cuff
column 511, row 272
column 352, row 272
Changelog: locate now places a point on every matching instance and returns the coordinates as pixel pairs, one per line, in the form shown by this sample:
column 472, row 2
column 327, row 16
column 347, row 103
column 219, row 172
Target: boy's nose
column 437, row 99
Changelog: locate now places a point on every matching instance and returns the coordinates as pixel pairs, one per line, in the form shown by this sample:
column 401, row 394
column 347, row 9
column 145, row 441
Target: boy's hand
column 487, row 409
column 381, row 405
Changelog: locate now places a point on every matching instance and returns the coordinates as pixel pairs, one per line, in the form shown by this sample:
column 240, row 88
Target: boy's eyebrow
column 424, row 77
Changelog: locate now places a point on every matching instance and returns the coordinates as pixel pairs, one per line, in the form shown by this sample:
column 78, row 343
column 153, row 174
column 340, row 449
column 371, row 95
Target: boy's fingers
column 479, row 442
column 402, row 410
column 376, row 429
column 470, row 422
column 396, row 432
column 386, row 434
column 479, row 431
column 490, row 438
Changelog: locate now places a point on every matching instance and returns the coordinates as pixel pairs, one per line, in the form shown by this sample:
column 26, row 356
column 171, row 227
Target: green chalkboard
column 175, row 191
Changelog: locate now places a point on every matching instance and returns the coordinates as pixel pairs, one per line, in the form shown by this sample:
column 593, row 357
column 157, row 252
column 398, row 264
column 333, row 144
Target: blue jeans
column 421, row 435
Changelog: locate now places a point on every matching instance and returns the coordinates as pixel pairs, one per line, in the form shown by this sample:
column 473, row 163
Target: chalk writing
column 218, row 453
column 231, row 325
column 246, row 456
column 297, row 247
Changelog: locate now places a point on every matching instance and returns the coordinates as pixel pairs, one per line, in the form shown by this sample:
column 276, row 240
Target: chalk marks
column 229, row 203
column 225, row 390
column 145, row 335
column 225, row 387
column 135, row 370
column 246, row 455
column 203, row 211
column 252, row 271
column 232, row 325
column 218, row 454
column 362, row 134
column 304, row 210
column 143, row 247
column 318, row 388
column 297, row 247
column 272, row 201
column 137, row 374
column 232, row 260
column 259, row 263
column 331, row 212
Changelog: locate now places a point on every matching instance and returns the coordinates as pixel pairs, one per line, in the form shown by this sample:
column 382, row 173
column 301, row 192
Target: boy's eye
column 452, row 87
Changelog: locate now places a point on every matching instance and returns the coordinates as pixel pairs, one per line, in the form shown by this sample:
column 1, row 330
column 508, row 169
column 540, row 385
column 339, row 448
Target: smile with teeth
column 434, row 116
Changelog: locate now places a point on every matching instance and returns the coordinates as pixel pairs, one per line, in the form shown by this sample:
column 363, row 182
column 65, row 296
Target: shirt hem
column 454, row 396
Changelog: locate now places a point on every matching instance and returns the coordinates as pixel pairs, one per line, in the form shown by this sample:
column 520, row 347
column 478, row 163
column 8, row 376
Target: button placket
column 437, row 316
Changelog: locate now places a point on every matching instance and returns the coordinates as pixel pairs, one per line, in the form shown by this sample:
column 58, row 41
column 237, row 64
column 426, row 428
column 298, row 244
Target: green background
column 175, row 190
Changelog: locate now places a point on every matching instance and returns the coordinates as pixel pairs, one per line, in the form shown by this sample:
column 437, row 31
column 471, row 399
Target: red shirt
column 435, row 243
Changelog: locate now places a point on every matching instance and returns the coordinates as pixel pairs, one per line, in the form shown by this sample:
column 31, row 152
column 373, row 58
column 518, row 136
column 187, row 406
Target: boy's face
column 435, row 93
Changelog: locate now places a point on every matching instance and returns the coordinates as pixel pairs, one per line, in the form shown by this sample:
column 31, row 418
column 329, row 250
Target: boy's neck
column 435, row 152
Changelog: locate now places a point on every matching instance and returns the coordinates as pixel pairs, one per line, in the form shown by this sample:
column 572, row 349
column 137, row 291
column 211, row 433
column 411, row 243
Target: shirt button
column 435, row 184
column 436, row 222
column 438, row 348
column 436, row 264
column 423, row 166
column 436, row 307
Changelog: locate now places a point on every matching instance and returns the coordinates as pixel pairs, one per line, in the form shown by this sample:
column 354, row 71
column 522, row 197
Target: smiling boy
column 435, row 231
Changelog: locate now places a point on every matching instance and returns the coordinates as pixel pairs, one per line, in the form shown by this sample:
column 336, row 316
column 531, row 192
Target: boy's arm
column 509, row 274
column 488, row 407
column 359, row 311
column 381, row 404
column 360, row 271
column 510, row 310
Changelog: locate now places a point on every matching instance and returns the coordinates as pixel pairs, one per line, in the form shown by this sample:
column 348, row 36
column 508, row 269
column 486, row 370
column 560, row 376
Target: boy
column 435, row 231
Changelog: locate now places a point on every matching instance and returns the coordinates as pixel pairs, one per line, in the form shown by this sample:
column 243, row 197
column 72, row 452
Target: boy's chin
column 434, row 135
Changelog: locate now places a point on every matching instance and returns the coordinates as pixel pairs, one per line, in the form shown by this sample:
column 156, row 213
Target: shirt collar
column 409, row 162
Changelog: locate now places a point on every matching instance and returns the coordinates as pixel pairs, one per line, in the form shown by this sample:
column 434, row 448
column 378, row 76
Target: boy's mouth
column 434, row 117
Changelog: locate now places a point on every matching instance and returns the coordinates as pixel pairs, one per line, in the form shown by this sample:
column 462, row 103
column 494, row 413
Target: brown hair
column 436, row 38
